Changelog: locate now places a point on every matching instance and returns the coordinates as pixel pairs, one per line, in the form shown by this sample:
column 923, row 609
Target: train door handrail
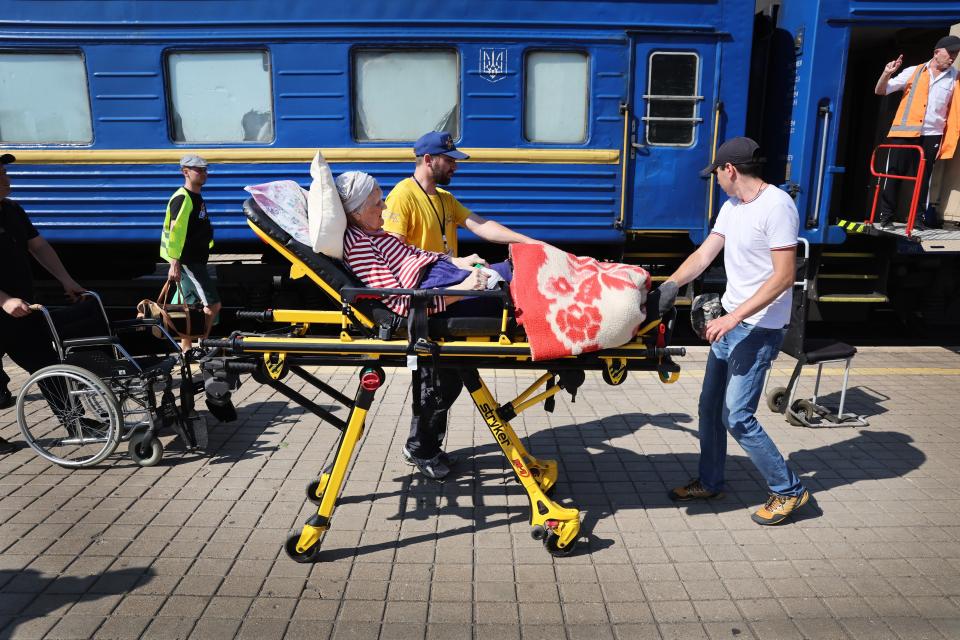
column 893, row 176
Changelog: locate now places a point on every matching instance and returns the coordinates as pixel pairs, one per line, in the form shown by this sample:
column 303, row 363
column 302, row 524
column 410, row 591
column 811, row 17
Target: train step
column 861, row 298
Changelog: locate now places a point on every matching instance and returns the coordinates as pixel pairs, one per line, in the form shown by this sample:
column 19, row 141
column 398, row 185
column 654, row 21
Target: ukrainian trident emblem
column 493, row 64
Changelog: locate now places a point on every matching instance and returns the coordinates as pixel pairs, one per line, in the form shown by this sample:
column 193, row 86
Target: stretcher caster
column 304, row 552
column 551, row 542
column 539, row 532
column 145, row 451
column 316, row 488
column 777, row 399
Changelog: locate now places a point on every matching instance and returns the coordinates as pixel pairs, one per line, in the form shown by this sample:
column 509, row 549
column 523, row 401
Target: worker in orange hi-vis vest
column 928, row 116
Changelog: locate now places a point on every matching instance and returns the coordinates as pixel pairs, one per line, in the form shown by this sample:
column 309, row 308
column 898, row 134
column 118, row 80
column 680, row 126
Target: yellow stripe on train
column 266, row 155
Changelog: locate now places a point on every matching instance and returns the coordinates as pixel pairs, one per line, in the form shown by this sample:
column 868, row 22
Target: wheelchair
column 75, row 413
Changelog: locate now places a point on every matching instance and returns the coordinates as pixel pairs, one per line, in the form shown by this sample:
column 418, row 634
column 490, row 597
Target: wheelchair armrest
column 95, row 341
column 135, row 323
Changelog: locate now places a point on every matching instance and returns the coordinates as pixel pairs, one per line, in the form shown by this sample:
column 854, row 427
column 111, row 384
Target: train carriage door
column 672, row 131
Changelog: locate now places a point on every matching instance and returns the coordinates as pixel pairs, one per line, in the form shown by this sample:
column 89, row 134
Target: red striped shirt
column 382, row 261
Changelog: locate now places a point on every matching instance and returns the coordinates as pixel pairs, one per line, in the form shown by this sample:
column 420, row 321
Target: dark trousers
column 903, row 162
column 4, row 378
column 28, row 343
column 430, row 405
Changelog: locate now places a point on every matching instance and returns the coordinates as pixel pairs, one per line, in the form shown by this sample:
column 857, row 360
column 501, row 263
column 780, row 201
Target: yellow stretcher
column 365, row 333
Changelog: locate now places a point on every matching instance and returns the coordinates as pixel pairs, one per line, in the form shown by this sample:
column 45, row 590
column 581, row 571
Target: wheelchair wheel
column 777, row 399
column 69, row 416
column 146, row 452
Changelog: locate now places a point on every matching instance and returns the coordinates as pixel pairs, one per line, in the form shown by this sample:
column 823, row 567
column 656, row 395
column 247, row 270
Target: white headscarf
column 354, row 188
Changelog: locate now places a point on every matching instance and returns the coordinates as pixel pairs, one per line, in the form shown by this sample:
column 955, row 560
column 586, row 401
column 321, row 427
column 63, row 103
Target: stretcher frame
column 349, row 337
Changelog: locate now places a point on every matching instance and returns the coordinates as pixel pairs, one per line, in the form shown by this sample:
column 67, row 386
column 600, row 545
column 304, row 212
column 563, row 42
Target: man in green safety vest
column 187, row 239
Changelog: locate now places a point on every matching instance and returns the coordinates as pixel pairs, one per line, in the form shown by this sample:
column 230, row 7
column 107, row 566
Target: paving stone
column 123, row 628
column 193, row 547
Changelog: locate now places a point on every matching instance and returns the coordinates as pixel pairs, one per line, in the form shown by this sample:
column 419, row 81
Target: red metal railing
column 892, row 176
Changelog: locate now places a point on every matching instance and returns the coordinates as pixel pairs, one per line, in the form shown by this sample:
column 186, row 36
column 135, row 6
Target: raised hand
column 893, row 66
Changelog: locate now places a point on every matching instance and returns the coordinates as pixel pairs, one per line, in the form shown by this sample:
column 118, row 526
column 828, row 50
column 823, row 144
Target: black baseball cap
column 734, row 151
column 7, row 158
column 950, row 43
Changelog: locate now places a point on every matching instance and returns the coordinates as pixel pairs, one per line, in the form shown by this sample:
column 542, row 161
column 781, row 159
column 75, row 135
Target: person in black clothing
column 24, row 335
column 187, row 239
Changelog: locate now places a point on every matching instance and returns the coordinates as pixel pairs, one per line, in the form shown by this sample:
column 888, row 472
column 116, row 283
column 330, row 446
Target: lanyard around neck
column 441, row 219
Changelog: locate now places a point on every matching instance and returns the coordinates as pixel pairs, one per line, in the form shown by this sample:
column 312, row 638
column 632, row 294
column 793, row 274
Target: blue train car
column 587, row 121
column 583, row 119
column 820, row 121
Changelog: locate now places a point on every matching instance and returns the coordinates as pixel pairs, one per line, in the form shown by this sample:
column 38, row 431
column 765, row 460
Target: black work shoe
column 693, row 490
column 6, row 399
column 432, row 468
column 885, row 220
column 778, row 508
column 7, row 447
column 918, row 225
column 446, row 458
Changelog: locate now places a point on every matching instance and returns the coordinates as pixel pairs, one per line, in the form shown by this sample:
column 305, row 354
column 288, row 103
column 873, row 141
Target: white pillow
column 325, row 213
column 284, row 202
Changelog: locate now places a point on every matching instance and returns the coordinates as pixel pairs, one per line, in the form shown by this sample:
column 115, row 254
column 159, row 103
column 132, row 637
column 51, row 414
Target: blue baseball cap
column 438, row 143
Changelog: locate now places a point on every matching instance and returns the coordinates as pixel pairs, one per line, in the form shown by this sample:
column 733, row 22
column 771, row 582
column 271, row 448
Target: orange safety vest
column 913, row 107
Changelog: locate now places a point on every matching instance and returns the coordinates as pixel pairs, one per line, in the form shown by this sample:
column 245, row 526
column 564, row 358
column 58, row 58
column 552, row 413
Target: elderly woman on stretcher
column 567, row 304
column 384, row 261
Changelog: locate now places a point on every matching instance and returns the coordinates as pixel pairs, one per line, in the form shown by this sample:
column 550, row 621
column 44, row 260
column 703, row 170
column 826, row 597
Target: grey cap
column 7, row 158
column 734, row 151
column 192, row 160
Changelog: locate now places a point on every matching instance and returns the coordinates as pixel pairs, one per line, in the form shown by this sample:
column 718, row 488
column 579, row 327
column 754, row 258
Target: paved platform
column 193, row 547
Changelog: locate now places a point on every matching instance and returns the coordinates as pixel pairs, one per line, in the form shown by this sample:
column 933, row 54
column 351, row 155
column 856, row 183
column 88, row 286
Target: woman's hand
column 476, row 281
column 468, row 262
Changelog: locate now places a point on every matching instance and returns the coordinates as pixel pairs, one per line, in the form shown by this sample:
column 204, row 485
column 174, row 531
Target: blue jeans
column 732, row 386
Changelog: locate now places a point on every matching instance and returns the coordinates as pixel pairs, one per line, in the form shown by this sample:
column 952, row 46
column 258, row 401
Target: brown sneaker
column 778, row 508
column 693, row 491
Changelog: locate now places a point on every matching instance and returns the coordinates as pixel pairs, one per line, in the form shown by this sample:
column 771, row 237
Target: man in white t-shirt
column 757, row 231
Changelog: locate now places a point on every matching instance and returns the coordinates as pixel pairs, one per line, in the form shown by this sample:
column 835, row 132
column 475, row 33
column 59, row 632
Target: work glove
column 662, row 298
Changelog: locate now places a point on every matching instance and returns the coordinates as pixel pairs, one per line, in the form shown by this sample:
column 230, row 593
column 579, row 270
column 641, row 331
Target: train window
column 44, row 99
column 555, row 97
column 220, row 96
column 399, row 95
column 672, row 100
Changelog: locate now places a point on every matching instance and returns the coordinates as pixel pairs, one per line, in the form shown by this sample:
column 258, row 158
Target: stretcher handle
column 671, row 351
column 258, row 316
column 350, row 294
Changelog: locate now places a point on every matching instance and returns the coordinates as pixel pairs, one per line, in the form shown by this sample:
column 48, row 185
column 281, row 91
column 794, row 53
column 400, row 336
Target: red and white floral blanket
column 570, row 305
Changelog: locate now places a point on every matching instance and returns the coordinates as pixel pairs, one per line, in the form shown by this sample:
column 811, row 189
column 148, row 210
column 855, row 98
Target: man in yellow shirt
column 426, row 216
column 422, row 214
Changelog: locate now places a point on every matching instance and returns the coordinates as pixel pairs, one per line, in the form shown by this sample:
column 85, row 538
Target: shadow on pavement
column 601, row 478
column 27, row 594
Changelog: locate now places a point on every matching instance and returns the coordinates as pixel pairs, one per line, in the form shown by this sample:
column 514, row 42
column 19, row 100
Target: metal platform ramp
column 930, row 240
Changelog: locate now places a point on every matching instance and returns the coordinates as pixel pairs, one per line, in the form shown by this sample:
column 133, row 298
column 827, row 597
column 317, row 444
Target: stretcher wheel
column 777, row 399
column 69, row 416
column 308, row 556
column 316, row 489
column 668, row 377
column 146, row 452
column 550, row 543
